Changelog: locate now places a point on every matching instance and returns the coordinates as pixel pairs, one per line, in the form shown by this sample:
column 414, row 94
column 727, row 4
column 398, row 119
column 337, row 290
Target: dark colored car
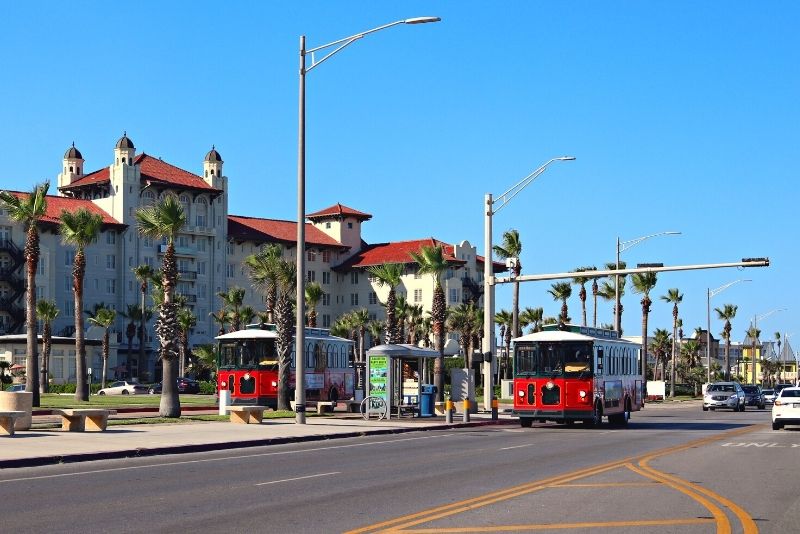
column 753, row 396
column 185, row 385
column 779, row 387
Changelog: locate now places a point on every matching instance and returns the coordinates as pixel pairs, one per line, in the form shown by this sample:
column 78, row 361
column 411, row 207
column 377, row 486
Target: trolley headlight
column 582, row 394
column 247, row 376
column 521, row 393
column 274, row 384
column 223, row 384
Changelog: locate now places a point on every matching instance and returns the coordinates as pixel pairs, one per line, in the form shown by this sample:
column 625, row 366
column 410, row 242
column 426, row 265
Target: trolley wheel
column 776, row 425
column 525, row 422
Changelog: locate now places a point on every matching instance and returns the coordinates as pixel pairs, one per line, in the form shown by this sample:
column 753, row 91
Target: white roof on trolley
column 559, row 335
column 257, row 333
column 402, row 351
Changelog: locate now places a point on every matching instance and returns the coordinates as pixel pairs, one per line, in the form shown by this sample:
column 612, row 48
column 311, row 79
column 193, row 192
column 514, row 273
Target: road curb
column 210, row 447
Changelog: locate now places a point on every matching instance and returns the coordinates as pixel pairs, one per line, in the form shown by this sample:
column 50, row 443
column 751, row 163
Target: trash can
column 427, row 400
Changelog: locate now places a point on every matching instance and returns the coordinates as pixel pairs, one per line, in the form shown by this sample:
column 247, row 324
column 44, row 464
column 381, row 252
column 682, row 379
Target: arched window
column 70, row 168
column 149, row 198
column 201, row 217
column 212, row 172
column 184, row 200
column 123, row 160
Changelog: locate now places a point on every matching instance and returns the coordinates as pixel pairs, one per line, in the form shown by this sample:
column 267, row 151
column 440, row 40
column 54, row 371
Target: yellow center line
column 606, row 485
column 723, row 525
column 564, row 526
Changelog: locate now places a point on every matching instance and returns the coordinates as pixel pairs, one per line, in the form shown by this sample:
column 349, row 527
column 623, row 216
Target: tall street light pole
column 622, row 246
column 488, row 271
column 755, row 329
column 299, row 352
column 711, row 293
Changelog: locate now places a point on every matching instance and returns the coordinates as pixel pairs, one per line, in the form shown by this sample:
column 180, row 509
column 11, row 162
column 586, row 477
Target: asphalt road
column 674, row 469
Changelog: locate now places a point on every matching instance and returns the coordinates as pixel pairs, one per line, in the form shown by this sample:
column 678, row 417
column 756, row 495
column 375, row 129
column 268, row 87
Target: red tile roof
column 55, row 205
column 338, row 210
column 400, row 252
column 153, row 170
column 276, row 231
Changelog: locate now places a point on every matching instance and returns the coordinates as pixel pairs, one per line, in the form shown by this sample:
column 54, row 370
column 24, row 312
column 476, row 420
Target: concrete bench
column 84, row 419
column 325, row 406
column 7, row 421
column 244, row 415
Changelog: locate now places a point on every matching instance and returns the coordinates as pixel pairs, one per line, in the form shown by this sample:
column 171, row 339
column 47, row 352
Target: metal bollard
column 466, row 410
column 494, row 409
column 449, row 408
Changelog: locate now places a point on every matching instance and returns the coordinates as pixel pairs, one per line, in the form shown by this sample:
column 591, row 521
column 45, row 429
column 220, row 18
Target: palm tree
column 595, row 292
column 313, row 296
column 462, row 320
column 285, row 280
column 754, row 334
column 164, row 220
column 133, row 313
column 675, row 297
column 503, row 318
column 581, row 281
column 375, row 329
column 512, row 248
column 431, row 261
column 264, row 273
column 232, row 299
column 780, row 359
column 104, row 318
column 186, row 321
column 222, row 318
column 608, row 291
column 528, row 317
column 644, row 283
column 689, row 351
column 400, row 313
column 79, row 229
column 389, row 274
column 206, row 360
column 561, row 291
column 727, row 313
column 247, row 314
column 414, row 316
column 46, row 311
column 143, row 273
column 661, row 346
column 28, row 210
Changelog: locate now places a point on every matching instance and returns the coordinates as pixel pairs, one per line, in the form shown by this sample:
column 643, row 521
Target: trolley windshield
column 571, row 359
column 248, row 354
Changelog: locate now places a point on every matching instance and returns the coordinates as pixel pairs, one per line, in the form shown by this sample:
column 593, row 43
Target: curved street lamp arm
column 625, row 245
column 505, row 198
column 717, row 291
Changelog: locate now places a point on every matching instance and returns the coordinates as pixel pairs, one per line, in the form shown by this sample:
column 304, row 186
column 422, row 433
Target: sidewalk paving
column 51, row 446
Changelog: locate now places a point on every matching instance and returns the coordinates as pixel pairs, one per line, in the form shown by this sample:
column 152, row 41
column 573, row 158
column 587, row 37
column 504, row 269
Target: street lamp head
column 672, row 233
column 566, row 158
column 421, row 20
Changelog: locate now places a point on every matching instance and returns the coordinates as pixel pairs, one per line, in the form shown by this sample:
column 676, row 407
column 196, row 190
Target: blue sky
column 682, row 115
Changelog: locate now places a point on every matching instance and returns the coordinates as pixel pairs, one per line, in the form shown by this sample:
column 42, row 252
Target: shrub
column 208, row 388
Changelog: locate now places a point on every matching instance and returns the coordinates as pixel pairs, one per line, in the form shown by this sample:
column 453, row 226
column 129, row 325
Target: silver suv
column 728, row 395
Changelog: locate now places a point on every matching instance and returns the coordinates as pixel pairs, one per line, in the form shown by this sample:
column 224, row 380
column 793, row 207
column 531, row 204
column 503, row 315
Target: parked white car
column 123, row 387
column 786, row 409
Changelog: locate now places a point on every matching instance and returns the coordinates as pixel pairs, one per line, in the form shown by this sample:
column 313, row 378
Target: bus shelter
column 394, row 374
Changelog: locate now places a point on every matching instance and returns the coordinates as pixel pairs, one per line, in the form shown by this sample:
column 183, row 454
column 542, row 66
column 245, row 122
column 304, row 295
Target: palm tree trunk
column 645, row 312
column 81, row 387
column 672, row 368
column 32, row 363
column 594, row 297
column 167, row 330
column 515, row 311
column 105, row 359
column 46, row 343
column 143, row 331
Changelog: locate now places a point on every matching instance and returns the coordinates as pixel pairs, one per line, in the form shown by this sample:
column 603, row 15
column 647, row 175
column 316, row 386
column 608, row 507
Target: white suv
column 729, row 395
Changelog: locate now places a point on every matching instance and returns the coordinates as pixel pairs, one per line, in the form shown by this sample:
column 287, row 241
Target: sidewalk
column 51, row 446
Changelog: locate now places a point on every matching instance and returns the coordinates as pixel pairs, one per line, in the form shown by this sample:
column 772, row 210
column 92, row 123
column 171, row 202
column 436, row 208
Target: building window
column 326, row 277
column 201, row 245
column 67, row 282
column 111, row 238
column 326, row 299
column 455, row 295
column 350, row 225
column 373, row 297
column 354, row 277
column 326, row 320
column 327, row 224
column 326, row 256
column 69, row 258
column 311, row 276
column 231, row 248
column 148, row 260
column 201, row 267
column 111, row 286
column 147, row 242
column 111, row 261
column 311, row 255
column 354, row 299
column 231, row 270
column 417, row 295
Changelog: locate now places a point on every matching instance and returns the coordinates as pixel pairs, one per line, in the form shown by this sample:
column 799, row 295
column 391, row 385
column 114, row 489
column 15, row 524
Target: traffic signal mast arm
column 646, row 268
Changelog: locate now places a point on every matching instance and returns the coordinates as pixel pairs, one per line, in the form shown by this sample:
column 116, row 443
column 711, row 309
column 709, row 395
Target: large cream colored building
column 210, row 251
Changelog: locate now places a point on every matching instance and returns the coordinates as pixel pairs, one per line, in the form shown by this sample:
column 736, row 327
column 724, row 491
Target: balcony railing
column 187, row 275
column 181, row 251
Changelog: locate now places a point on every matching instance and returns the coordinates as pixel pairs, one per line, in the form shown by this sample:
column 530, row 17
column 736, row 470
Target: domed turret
column 213, row 155
column 212, row 167
column 72, row 165
column 124, row 151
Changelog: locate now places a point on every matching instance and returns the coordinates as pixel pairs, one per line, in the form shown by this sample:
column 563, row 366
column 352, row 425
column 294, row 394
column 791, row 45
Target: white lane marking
column 515, row 447
column 205, row 460
column 298, row 478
